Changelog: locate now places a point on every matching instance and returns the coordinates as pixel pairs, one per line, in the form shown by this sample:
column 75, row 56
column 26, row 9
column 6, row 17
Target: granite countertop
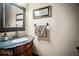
column 9, row 44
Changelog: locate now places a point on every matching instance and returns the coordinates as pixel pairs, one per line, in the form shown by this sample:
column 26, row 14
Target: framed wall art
column 42, row 12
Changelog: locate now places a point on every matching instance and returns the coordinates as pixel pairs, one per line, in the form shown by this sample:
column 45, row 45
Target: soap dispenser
column 5, row 37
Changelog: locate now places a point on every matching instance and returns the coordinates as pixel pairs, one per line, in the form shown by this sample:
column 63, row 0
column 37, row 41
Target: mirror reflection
column 14, row 16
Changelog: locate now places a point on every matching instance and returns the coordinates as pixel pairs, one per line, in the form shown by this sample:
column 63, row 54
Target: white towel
column 41, row 31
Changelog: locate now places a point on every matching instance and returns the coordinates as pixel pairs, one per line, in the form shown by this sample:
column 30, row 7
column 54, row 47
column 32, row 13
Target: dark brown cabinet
column 22, row 50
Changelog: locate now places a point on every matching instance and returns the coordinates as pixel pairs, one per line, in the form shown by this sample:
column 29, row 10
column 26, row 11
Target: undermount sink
column 19, row 40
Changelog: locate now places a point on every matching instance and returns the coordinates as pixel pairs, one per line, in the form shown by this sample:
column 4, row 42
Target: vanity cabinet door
column 23, row 50
column 28, row 52
column 7, row 52
column 20, row 50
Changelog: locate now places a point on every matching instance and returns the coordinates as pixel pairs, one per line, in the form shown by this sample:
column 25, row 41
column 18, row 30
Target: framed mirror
column 13, row 17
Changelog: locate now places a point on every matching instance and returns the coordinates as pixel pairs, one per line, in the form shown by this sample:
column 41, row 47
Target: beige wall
column 63, row 29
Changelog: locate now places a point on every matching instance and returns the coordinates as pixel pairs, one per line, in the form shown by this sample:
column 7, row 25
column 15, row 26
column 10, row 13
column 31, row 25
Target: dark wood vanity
column 22, row 50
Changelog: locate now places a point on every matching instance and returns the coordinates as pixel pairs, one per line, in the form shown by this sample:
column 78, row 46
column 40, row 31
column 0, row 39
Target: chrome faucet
column 16, row 35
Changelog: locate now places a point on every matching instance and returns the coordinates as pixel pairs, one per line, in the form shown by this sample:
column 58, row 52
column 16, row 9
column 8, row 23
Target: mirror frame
column 2, row 29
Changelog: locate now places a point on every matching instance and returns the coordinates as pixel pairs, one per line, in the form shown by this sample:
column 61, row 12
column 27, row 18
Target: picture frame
column 42, row 12
column 19, row 20
column 19, row 16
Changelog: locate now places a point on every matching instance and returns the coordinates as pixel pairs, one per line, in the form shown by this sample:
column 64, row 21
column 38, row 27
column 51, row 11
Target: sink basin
column 15, row 42
column 19, row 40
